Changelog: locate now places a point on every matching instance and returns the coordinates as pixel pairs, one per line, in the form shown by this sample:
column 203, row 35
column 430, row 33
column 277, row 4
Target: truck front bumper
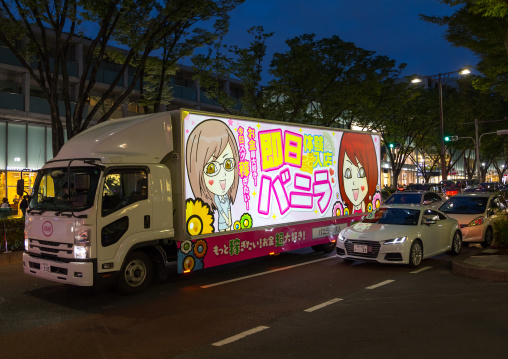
column 77, row 273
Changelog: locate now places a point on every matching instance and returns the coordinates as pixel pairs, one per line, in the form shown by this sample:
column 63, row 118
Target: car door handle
column 147, row 221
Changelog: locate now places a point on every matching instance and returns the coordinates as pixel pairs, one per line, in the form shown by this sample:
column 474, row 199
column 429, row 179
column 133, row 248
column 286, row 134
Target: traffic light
column 394, row 145
column 451, row 138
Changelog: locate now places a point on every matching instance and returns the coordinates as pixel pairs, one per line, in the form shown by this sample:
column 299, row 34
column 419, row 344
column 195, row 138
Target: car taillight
column 476, row 222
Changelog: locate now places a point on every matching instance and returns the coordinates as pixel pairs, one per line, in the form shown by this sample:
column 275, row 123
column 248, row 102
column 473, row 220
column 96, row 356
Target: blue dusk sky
column 389, row 27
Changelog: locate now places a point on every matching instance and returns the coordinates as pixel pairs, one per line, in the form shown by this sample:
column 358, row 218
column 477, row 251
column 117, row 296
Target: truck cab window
column 123, row 187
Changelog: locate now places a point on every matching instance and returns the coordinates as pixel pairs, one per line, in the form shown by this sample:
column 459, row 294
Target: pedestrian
column 23, row 205
column 5, row 209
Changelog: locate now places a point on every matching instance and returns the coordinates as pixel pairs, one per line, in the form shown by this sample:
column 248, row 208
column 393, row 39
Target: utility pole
column 477, row 149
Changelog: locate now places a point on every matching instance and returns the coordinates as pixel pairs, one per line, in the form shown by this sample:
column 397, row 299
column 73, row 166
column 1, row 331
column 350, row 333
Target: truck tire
column 136, row 273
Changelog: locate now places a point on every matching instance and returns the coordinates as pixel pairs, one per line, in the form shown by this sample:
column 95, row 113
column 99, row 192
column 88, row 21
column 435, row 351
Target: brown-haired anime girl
column 212, row 166
column 357, row 171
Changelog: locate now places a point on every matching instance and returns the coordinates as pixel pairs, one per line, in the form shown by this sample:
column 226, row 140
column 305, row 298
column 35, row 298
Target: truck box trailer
column 125, row 197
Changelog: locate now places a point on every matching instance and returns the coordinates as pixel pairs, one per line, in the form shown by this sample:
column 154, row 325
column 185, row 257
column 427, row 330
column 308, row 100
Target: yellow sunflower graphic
column 199, row 217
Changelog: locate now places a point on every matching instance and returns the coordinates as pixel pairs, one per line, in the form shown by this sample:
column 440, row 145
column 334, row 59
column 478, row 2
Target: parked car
column 431, row 187
column 400, row 234
column 421, row 198
column 475, row 213
column 490, row 186
column 453, row 187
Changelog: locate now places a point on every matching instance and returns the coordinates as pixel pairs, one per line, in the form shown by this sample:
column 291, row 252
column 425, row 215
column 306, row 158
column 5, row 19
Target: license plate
column 46, row 267
column 358, row 248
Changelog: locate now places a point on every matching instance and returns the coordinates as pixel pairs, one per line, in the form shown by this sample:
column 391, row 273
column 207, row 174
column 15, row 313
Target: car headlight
column 26, row 239
column 476, row 222
column 82, row 244
column 342, row 238
column 399, row 240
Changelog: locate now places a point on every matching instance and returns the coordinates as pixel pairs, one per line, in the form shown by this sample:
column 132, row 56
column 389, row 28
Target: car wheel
column 415, row 254
column 136, row 273
column 456, row 243
column 329, row 247
column 488, row 238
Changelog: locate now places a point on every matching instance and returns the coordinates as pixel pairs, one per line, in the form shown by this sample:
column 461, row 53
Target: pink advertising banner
column 242, row 174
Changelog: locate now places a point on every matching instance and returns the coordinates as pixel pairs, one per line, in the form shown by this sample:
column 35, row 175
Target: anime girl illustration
column 212, row 168
column 357, row 171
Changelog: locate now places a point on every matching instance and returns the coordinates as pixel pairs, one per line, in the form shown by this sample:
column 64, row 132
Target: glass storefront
column 24, row 148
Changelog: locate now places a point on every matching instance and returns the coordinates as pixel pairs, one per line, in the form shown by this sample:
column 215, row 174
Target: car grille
column 372, row 248
column 51, row 250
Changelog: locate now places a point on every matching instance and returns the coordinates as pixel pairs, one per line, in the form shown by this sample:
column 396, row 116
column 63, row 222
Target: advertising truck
column 126, row 199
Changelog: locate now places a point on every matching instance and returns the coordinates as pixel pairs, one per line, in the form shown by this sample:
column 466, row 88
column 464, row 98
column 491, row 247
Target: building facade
column 25, row 125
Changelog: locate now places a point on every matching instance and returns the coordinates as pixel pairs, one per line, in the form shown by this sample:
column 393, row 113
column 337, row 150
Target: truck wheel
column 136, row 273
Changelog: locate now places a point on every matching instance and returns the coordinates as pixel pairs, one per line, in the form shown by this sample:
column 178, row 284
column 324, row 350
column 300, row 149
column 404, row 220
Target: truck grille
column 372, row 248
column 50, row 249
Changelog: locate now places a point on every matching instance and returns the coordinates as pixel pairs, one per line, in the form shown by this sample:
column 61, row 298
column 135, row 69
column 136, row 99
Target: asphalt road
column 299, row 305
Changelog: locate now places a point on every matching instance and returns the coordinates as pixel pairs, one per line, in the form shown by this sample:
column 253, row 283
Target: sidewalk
column 11, row 257
column 483, row 264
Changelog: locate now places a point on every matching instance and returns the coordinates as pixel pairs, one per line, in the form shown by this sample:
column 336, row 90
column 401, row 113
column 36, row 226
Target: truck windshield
column 56, row 190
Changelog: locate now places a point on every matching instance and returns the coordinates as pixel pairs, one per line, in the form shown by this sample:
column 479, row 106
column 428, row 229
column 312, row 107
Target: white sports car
column 400, row 234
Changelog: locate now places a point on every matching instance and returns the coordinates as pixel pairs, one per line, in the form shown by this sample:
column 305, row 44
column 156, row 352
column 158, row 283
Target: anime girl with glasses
column 211, row 158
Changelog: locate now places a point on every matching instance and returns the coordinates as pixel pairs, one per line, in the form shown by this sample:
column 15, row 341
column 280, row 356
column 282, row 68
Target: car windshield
column 56, row 190
column 404, row 198
column 465, row 205
column 401, row 216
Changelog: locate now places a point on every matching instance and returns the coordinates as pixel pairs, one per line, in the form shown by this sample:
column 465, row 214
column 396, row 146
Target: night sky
column 388, row 27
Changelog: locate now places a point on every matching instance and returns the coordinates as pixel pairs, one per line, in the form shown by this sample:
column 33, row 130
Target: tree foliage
column 482, row 27
column 43, row 33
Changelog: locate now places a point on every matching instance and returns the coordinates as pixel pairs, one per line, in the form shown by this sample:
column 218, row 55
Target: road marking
column 322, row 305
column 240, row 336
column 380, row 284
column 263, row 273
column 420, row 270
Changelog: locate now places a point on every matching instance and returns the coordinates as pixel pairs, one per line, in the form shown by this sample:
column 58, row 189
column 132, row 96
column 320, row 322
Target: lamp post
column 439, row 77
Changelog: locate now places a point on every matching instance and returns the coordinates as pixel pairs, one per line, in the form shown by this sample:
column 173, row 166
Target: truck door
column 125, row 211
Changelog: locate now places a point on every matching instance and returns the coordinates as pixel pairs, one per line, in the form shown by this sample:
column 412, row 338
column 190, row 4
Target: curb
column 459, row 266
column 11, row 257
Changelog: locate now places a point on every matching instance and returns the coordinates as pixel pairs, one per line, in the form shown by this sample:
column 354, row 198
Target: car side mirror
column 428, row 221
column 427, row 202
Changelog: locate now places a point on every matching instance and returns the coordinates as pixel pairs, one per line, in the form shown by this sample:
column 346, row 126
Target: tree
column 329, row 82
column 223, row 62
column 402, row 116
column 482, row 27
column 50, row 28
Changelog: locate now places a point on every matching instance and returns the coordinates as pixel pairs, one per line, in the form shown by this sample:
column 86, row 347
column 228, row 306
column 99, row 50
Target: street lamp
column 439, row 77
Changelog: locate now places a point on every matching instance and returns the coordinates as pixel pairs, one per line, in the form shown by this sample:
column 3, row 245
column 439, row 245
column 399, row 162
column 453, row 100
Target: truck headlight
column 399, row 240
column 26, row 239
column 82, row 245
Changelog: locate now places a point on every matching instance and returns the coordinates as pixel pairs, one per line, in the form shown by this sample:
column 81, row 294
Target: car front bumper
column 375, row 251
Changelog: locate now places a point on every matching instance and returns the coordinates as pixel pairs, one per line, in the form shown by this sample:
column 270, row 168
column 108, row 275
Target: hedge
column 15, row 233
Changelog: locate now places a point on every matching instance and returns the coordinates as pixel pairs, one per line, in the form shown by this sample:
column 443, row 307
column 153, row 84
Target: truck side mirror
column 20, row 187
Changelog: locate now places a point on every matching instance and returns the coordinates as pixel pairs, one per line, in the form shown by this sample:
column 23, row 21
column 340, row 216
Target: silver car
column 400, row 234
column 475, row 213
column 419, row 198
